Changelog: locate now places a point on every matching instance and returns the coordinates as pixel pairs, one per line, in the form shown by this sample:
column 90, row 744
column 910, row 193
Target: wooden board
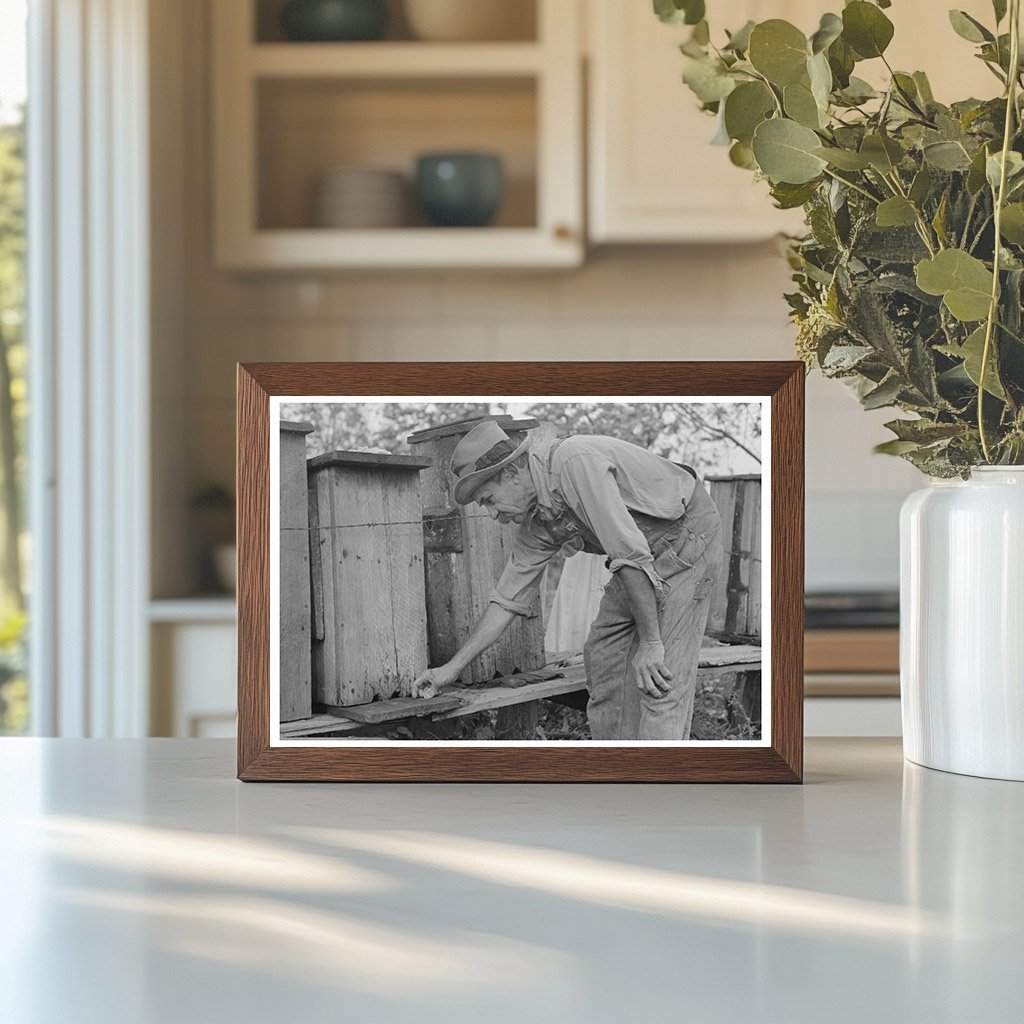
column 366, row 460
column 736, row 601
column 370, row 539
column 459, row 428
column 382, row 711
column 295, row 619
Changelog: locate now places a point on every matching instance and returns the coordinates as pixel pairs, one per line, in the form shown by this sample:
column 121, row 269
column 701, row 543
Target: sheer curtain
column 88, row 302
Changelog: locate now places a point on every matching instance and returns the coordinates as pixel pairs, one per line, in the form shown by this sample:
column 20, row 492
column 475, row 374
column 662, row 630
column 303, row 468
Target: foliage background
column 910, row 279
column 714, row 438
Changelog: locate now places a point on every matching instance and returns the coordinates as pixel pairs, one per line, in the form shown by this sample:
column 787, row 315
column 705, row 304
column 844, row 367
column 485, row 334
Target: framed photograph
column 516, row 572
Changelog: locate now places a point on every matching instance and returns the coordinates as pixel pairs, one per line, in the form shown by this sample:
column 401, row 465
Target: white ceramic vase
column 962, row 624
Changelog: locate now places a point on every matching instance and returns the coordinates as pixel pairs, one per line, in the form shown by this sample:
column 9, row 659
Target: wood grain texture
column 781, row 762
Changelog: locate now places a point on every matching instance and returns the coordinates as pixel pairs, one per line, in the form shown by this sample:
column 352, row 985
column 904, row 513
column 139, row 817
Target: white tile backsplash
column 718, row 302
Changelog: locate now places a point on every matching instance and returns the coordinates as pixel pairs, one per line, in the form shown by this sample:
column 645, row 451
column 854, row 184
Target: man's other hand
column 428, row 684
column 651, row 673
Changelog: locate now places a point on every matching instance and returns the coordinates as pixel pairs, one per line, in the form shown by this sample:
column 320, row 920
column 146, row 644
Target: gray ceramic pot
column 460, row 189
column 334, row 20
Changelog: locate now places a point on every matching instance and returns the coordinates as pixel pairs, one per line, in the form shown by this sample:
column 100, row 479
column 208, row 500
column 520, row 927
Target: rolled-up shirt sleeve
column 519, row 583
column 588, row 486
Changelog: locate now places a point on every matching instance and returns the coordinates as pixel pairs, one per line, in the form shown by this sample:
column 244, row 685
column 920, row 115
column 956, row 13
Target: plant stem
column 993, row 309
column 850, row 184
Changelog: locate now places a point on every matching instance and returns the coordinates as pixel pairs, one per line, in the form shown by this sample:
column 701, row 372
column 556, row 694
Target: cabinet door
column 654, row 175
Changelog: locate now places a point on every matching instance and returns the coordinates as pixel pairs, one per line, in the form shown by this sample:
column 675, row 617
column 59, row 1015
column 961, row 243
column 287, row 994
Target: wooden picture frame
column 778, row 759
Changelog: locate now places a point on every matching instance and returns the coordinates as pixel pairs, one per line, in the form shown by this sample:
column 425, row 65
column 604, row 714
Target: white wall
column 654, row 303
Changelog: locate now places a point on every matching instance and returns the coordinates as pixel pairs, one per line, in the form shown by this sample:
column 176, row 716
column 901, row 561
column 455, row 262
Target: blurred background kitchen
column 246, row 180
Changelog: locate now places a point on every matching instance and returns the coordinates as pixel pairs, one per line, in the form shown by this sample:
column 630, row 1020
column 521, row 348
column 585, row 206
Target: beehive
column 295, row 614
column 736, row 604
column 370, row 624
column 465, row 553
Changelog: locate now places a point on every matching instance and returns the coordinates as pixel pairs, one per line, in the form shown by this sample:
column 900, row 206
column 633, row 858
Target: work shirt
column 587, row 486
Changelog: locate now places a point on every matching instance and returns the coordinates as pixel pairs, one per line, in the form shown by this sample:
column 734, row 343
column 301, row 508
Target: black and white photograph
column 485, row 570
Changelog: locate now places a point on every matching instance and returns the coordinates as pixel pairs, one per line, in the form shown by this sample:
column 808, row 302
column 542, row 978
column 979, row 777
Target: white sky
column 12, row 55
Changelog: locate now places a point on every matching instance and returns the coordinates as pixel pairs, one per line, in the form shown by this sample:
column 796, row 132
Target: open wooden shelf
column 286, row 113
column 392, row 60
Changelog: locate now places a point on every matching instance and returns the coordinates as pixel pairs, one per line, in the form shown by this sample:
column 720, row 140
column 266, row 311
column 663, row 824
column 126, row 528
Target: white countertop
column 143, row 885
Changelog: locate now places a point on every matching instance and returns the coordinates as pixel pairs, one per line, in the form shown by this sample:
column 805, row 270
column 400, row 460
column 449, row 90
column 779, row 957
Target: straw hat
column 481, row 454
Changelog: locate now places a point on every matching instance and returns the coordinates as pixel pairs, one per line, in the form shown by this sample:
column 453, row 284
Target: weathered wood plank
column 371, row 541
column 382, row 711
column 368, row 460
column 459, row 428
column 295, row 611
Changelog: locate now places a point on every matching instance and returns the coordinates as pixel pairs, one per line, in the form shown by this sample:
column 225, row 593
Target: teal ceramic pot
column 461, row 190
column 332, row 21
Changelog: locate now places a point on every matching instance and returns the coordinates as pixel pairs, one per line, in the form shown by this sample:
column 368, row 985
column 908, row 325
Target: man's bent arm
column 649, row 668
column 642, row 601
column 494, row 621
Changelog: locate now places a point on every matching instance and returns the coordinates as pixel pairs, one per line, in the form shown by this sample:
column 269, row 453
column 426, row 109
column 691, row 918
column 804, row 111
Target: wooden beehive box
column 736, row 604
column 370, row 622
column 465, row 554
column 295, row 614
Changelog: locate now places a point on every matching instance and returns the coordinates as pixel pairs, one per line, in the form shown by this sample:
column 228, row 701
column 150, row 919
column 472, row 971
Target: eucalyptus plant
column 910, row 278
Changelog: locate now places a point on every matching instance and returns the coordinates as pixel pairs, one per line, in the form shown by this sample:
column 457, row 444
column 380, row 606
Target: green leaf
column 785, row 152
column 923, row 431
column 742, row 155
column 924, row 88
column 895, row 447
column 820, row 76
column 976, row 174
column 778, row 50
column 829, row 30
column 789, row 197
column 676, row 12
column 866, row 29
column 841, row 60
column 947, row 156
column 971, row 352
column 707, row 80
column 883, row 153
column 963, row 281
column 739, row 41
column 800, row 105
column 896, row 212
column 921, row 185
column 968, row 28
column 885, row 394
column 745, row 108
column 1012, row 224
column 844, row 159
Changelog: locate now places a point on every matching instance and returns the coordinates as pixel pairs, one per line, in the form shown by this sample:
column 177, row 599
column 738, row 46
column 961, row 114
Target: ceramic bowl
column 334, row 20
column 460, row 189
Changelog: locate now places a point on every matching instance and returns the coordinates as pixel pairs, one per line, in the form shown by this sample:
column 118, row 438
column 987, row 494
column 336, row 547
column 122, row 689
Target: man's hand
column 428, row 684
column 652, row 675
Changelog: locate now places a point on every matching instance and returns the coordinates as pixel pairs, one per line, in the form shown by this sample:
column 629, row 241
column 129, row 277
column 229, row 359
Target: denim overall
column 687, row 556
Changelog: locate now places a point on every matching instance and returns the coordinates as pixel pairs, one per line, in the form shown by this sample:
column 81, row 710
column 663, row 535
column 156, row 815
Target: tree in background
column 714, row 438
column 13, row 409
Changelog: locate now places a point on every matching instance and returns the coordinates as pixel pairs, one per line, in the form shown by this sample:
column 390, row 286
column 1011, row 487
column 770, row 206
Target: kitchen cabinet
column 287, row 113
column 653, row 175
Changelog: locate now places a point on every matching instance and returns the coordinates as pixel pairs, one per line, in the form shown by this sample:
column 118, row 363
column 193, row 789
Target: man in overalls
column 662, row 536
